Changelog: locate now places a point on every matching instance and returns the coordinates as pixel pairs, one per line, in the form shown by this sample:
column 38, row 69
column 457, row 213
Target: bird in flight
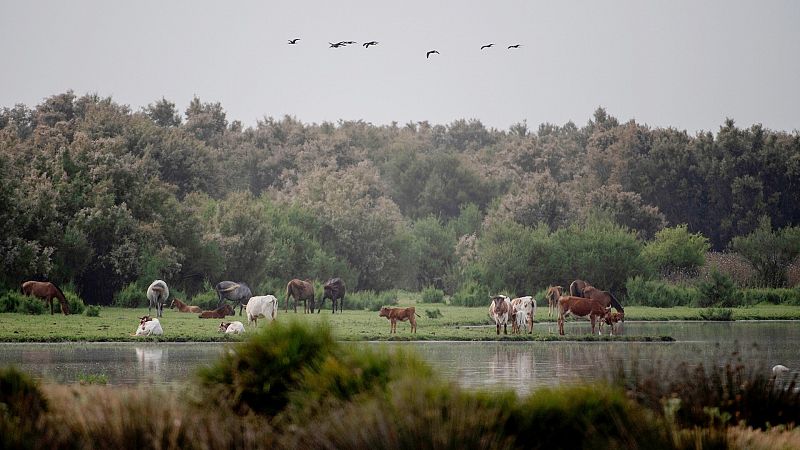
column 486, row 46
column 367, row 44
column 294, row 41
column 428, row 55
column 337, row 45
column 514, row 46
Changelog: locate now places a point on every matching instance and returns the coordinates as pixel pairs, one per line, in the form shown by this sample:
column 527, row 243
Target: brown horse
column 300, row 290
column 606, row 298
column 183, row 307
column 553, row 292
column 46, row 291
column 333, row 289
column 576, row 288
column 580, row 307
column 219, row 313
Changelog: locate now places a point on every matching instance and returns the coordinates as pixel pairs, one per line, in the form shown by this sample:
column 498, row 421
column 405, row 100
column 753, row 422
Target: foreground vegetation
column 294, row 386
column 437, row 322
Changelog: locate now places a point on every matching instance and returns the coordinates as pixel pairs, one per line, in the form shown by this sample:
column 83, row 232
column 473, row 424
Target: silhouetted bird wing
column 294, row 41
column 486, row 46
column 427, row 55
column 514, row 46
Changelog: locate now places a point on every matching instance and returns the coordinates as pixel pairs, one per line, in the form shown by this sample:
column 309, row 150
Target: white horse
column 157, row 294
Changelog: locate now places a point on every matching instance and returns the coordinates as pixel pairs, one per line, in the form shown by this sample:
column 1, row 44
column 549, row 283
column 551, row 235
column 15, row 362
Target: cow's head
column 223, row 327
column 384, row 312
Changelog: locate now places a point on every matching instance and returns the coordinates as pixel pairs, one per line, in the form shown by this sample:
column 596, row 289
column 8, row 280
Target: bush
column 471, row 294
column 370, row 300
column 9, row 301
column 76, row 305
column 773, row 296
column 207, row 300
column 132, row 296
column 675, row 249
column 433, row 313
column 717, row 314
column 719, row 290
column 92, row 311
column 432, row 295
column 33, row 306
column 658, row 293
column 21, row 405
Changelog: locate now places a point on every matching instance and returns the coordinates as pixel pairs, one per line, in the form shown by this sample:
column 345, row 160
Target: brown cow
column 300, row 290
column 402, row 314
column 612, row 319
column 219, row 313
column 581, row 307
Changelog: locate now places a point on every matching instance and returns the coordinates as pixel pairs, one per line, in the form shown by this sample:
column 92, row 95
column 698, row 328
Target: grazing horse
column 157, row 294
column 236, row 292
column 576, row 288
column 219, row 313
column 300, row 290
column 553, row 292
column 333, row 289
column 580, row 307
column 606, row 298
column 183, row 307
column 46, row 291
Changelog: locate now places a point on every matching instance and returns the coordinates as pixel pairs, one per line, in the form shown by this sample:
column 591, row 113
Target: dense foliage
column 104, row 197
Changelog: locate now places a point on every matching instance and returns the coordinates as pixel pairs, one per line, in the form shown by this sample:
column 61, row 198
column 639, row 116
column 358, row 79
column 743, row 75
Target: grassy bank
column 436, row 322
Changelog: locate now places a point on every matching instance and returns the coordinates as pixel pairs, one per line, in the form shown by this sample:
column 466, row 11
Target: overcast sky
column 687, row 64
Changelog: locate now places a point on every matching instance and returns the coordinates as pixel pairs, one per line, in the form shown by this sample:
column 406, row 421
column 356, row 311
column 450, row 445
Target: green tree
column 676, row 249
column 769, row 251
column 163, row 113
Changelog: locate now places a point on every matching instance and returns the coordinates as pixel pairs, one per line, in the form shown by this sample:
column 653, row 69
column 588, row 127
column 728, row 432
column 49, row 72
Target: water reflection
column 521, row 366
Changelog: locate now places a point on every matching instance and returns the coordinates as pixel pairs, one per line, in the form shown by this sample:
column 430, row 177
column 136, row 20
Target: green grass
column 457, row 323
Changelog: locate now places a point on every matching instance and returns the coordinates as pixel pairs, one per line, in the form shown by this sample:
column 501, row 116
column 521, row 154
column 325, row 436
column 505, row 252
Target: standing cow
column 333, row 289
column 500, row 311
column 238, row 292
column 157, row 295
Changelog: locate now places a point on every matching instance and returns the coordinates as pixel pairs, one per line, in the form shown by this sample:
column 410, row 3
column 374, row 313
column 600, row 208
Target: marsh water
column 522, row 366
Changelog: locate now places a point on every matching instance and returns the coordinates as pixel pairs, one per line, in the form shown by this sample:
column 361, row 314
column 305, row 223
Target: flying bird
column 294, row 41
column 514, row 46
column 428, row 55
column 367, row 44
column 486, row 46
column 336, row 45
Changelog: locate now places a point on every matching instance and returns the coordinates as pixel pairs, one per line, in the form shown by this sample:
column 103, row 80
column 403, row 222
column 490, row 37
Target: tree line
column 98, row 195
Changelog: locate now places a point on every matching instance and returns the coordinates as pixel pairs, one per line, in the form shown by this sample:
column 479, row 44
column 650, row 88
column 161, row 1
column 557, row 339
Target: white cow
column 523, row 311
column 149, row 327
column 231, row 327
column 500, row 311
column 261, row 306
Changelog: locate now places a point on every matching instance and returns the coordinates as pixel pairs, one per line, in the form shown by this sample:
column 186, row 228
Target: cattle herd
column 582, row 300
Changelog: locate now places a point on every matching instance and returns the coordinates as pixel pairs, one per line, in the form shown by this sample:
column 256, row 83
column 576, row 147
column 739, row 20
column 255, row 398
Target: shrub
column 719, row 290
column 773, row 296
column 717, row 314
column 432, row 295
column 675, row 249
column 10, row 300
column 21, row 405
column 132, row 296
column 207, row 300
column 433, row 313
column 471, row 294
column 769, row 251
column 92, row 311
column 370, row 300
column 76, row 305
column 33, row 306
column 658, row 293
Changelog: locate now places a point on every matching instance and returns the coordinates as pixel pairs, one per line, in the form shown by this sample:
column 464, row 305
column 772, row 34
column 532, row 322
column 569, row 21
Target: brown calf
column 402, row 314
column 219, row 313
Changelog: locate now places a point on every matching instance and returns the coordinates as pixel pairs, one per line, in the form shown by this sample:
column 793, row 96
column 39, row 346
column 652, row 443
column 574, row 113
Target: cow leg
column 505, row 328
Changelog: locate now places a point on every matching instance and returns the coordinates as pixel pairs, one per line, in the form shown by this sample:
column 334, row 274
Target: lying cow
column 231, row 327
column 149, row 326
column 402, row 314
column 500, row 312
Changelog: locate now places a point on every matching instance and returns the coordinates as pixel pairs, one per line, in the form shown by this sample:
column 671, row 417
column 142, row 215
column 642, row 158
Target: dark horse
column 333, row 289
column 300, row 290
column 606, row 298
column 46, row 291
column 236, row 292
column 576, row 288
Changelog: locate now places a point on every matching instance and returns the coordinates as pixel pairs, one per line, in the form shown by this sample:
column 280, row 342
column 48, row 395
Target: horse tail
column 615, row 303
column 62, row 299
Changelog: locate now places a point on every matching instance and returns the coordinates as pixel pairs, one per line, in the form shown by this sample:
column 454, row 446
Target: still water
column 522, row 366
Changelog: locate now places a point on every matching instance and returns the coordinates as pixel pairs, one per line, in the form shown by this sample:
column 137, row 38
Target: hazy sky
column 687, row 64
